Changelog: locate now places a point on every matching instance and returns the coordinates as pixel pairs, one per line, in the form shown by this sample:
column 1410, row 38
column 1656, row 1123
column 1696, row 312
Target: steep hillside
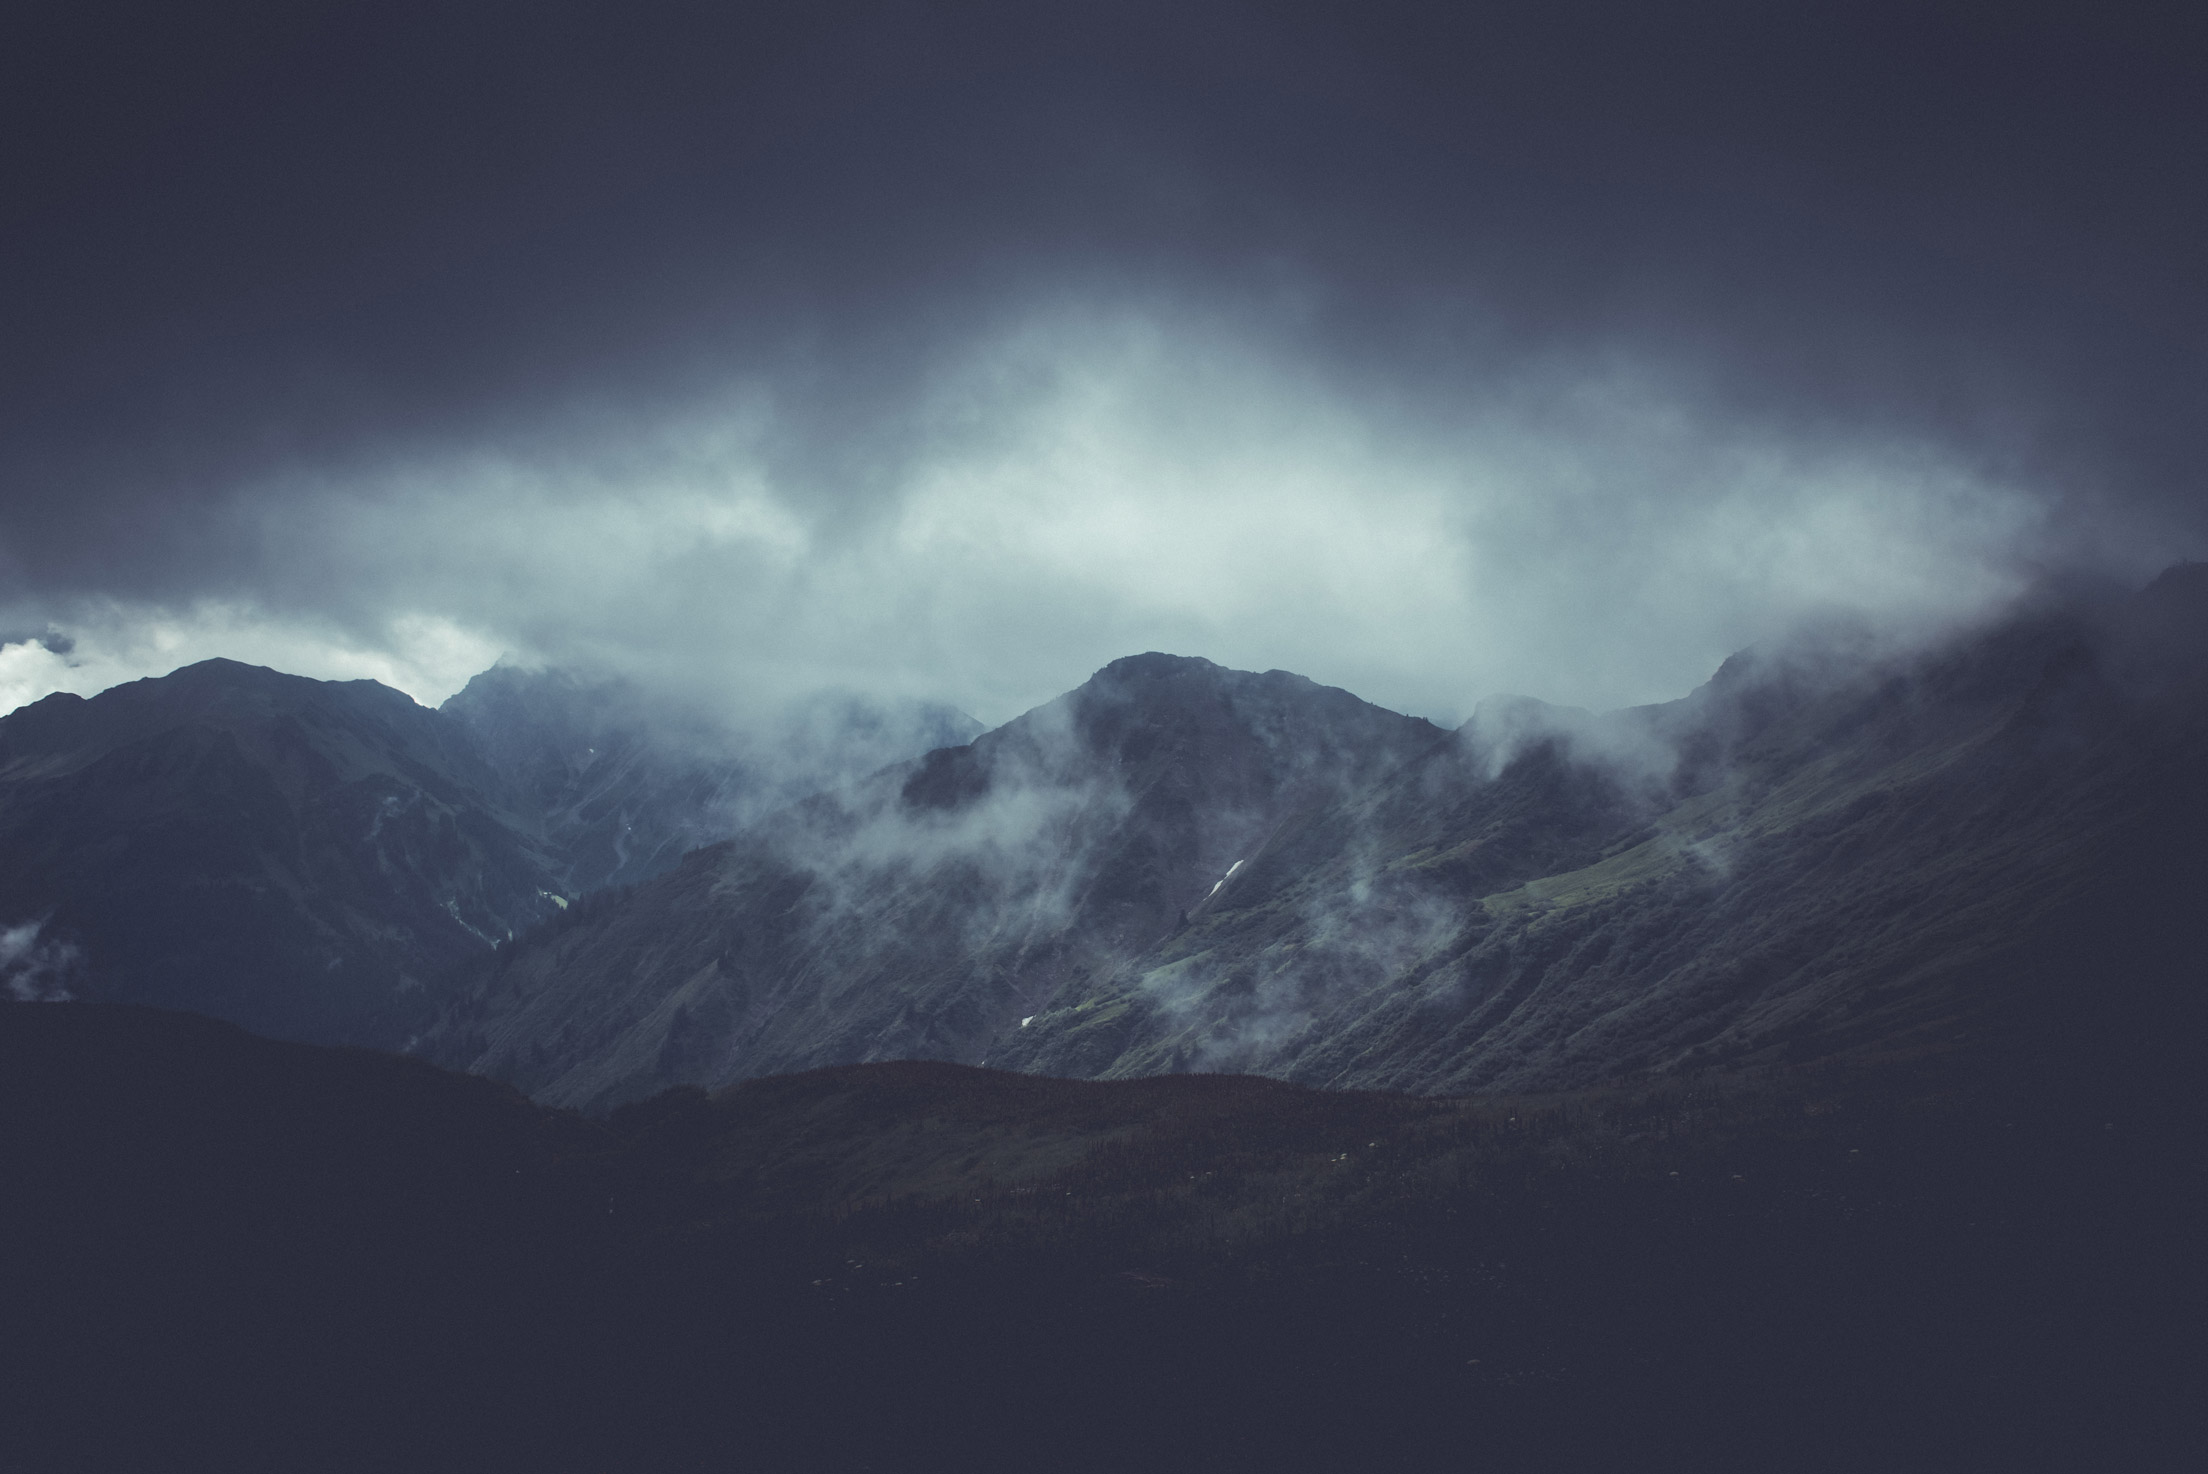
column 925, row 912
column 1798, row 859
column 301, row 857
column 312, row 859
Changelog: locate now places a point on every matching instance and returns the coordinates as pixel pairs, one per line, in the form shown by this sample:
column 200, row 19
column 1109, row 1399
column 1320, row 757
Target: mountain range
column 1799, row 1074
column 1830, row 849
column 925, row 910
column 312, row 859
column 1833, row 849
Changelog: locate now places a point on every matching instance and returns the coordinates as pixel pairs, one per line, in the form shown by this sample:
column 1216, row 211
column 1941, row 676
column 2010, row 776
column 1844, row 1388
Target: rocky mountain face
column 928, row 910
column 1183, row 868
column 1809, row 856
column 1772, row 908
column 301, row 857
column 311, row 859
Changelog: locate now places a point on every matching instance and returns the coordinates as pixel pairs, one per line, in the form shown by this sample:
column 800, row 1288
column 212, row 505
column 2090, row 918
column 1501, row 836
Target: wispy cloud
column 36, row 969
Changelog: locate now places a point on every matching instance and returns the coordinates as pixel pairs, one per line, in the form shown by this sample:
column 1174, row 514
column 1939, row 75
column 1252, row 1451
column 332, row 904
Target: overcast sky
column 956, row 350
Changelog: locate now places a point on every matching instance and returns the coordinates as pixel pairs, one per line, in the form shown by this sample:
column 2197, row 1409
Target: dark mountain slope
column 924, row 912
column 222, row 1251
column 302, row 857
column 1806, row 859
column 622, row 785
column 311, row 858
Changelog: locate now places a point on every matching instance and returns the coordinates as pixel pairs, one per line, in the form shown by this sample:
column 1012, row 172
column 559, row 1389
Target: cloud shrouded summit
column 957, row 350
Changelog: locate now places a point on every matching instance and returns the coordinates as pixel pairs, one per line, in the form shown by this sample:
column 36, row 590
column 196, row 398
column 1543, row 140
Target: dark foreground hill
column 221, row 1252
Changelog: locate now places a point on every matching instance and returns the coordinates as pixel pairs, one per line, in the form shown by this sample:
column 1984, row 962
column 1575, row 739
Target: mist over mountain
column 312, row 859
column 1427, row 350
column 1818, row 1041
column 926, row 910
column 624, row 782
column 1805, row 858
column 1830, row 847
column 708, row 471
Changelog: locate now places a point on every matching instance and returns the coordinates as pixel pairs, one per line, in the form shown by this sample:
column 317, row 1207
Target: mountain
column 302, row 857
column 313, row 859
column 924, row 912
column 623, row 784
column 1827, row 850
column 1852, row 1241
column 1809, row 856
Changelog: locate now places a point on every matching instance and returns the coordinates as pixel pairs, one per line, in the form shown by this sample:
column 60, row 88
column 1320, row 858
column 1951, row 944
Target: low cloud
column 113, row 641
column 1428, row 351
column 1084, row 484
column 35, row 969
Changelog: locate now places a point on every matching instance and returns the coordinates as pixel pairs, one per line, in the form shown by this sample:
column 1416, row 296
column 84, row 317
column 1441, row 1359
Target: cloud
column 35, row 971
column 425, row 655
column 1086, row 483
column 1428, row 351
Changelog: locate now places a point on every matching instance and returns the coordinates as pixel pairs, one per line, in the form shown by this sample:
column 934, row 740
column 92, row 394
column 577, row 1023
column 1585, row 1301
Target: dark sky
column 956, row 349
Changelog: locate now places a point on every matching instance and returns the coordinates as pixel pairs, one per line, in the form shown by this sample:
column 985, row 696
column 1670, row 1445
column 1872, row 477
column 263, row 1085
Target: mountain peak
column 219, row 674
column 1154, row 666
column 220, row 669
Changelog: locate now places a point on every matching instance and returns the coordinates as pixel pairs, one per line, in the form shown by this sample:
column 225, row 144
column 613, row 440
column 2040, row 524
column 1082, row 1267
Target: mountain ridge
column 1046, row 847
column 302, row 857
column 311, row 859
column 1144, row 876
column 1723, row 919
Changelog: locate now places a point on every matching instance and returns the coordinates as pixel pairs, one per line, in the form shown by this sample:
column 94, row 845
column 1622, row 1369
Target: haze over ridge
column 1428, row 352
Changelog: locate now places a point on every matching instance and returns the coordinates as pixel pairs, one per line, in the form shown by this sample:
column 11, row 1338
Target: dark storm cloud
column 289, row 286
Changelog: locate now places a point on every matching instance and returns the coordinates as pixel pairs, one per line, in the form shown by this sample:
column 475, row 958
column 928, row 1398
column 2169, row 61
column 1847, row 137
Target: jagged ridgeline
column 314, row 859
column 1827, row 849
